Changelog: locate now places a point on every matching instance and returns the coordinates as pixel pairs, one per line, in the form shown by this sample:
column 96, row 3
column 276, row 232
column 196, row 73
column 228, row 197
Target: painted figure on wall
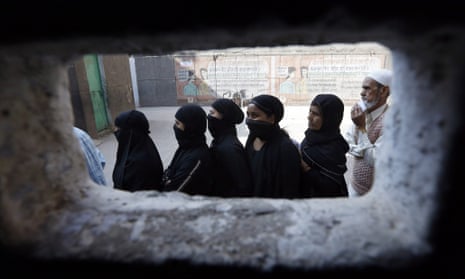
column 190, row 89
column 288, row 86
column 302, row 85
column 204, row 85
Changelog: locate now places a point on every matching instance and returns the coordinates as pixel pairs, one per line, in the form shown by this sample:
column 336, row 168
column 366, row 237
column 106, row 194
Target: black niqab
column 138, row 163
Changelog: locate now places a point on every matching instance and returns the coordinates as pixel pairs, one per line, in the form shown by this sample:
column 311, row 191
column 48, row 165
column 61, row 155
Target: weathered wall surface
column 295, row 74
column 412, row 220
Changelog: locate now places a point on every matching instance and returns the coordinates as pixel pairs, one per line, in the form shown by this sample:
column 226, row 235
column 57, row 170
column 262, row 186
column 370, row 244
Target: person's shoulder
column 230, row 139
column 196, row 150
column 229, row 144
column 77, row 130
column 295, row 142
column 286, row 141
column 81, row 134
column 195, row 154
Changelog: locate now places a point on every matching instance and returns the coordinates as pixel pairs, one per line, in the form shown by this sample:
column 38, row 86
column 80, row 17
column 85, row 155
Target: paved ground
column 161, row 126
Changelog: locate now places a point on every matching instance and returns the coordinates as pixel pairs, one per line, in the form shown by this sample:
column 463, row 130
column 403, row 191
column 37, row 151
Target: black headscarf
column 132, row 120
column 138, row 164
column 194, row 119
column 270, row 105
column 231, row 112
column 232, row 115
column 332, row 111
column 325, row 150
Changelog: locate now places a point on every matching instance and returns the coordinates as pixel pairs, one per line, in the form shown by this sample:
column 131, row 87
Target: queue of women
column 269, row 165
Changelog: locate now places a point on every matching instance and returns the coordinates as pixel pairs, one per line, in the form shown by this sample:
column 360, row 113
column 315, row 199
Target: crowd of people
column 269, row 165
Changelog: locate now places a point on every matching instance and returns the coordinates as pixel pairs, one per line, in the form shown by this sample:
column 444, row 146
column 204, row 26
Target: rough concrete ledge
column 260, row 233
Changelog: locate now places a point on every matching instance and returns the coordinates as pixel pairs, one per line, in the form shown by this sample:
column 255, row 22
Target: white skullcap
column 382, row 76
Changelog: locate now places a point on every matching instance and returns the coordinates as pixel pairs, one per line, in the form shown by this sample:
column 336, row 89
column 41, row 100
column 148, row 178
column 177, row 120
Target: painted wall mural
column 292, row 78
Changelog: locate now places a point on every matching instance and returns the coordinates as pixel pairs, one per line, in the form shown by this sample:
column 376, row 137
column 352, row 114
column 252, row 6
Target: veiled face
column 315, row 118
column 179, row 124
column 254, row 113
column 213, row 112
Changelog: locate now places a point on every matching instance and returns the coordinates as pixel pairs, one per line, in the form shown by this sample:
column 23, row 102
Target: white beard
column 372, row 103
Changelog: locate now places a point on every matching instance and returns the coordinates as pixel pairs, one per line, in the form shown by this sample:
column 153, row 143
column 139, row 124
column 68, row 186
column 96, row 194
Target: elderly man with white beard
column 365, row 134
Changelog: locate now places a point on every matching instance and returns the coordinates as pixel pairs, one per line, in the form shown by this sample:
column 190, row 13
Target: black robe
column 328, row 165
column 138, row 163
column 231, row 168
column 325, row 151
column 276, row 167
column 190, row 170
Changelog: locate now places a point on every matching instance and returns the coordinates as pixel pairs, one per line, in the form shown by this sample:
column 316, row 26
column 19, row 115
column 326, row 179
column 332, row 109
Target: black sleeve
column 290, row 170
column 181, row 175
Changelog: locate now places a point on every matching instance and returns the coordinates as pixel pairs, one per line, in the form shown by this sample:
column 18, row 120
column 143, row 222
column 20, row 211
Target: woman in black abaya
column 231, row 170
column 190, row 169
column 138, row 164
column 324, row 149
column 273, row 156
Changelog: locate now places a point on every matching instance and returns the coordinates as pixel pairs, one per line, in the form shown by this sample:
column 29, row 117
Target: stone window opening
column 336, row 68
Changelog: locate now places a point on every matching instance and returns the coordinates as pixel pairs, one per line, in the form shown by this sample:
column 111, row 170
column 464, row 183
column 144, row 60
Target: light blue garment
column 287, row 87
column 94, row 158
column 190, row 90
